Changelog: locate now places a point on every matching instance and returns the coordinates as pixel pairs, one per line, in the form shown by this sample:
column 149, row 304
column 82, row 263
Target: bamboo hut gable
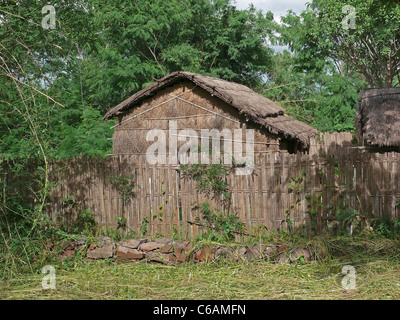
column 200, row 102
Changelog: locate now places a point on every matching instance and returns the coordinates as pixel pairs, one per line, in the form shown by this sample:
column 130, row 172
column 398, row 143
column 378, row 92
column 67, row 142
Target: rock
column 269, row 252
column 80, row 242
column 225, row 253
column 282, row 258
column 281, row 248
column 103, row 240
column 240, row 254
column 170, row 257
column 171, row 247
column 127, row 253
column 106, row 251
column 67, row 245
column 167, row 249
column 133, row 243
column 260, row 252
column 94, row 254
column 257, row 251
column 92, row 246
column 297, row 254
column 69, row 253
column 164, row 241
column 66, row 254
column 181, row 254
column 156, row 256
column 150, row 246
column 177, row 243
column 205, row 254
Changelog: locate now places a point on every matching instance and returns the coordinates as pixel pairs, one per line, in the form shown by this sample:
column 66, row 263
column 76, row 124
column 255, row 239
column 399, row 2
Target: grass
column 377, row 278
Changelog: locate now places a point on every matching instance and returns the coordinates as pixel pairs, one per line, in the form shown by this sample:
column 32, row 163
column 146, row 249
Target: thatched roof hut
column 185, row 95
column 378, row 118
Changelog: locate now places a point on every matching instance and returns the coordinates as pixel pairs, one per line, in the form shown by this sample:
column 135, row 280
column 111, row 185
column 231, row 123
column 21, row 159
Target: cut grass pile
column 377, row 270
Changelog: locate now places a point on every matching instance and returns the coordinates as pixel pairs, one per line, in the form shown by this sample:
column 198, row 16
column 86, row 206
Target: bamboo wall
column 308, row 189
column 332, row 143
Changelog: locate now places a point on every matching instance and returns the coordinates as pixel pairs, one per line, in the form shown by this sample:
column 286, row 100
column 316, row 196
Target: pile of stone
column 162, row 250
column 168, row 251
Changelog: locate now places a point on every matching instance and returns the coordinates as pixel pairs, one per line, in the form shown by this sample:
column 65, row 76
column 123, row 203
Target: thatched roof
column 378, row 117
column 252, row 105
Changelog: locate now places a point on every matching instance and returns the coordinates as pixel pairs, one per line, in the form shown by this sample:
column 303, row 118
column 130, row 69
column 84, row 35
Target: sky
column 277, row 7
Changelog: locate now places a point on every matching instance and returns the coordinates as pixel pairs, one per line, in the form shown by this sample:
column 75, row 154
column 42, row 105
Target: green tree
column 370, row 47
column 317, row 79
column 325, row 99
column 42, row 76
column 144, row 40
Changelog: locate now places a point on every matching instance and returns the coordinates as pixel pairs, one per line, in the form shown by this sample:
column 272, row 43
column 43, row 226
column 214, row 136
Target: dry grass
column 375, row 259
column 376, row 279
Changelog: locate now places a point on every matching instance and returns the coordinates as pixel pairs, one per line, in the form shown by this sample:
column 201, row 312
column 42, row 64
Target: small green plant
column 68, row 202
column 125, row 186
column 210, row 179
column 220, row 224
column 85, row 223
column 143, row 227
column 314, row 201
column 160, row 212
column 121, row 222
column 385, row 227
column 296, row 185
column 300, row 259
column 396, row 227
column 349, row 220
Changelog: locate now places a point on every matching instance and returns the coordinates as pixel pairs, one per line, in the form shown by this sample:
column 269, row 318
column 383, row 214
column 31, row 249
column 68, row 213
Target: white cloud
column 277, row 7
